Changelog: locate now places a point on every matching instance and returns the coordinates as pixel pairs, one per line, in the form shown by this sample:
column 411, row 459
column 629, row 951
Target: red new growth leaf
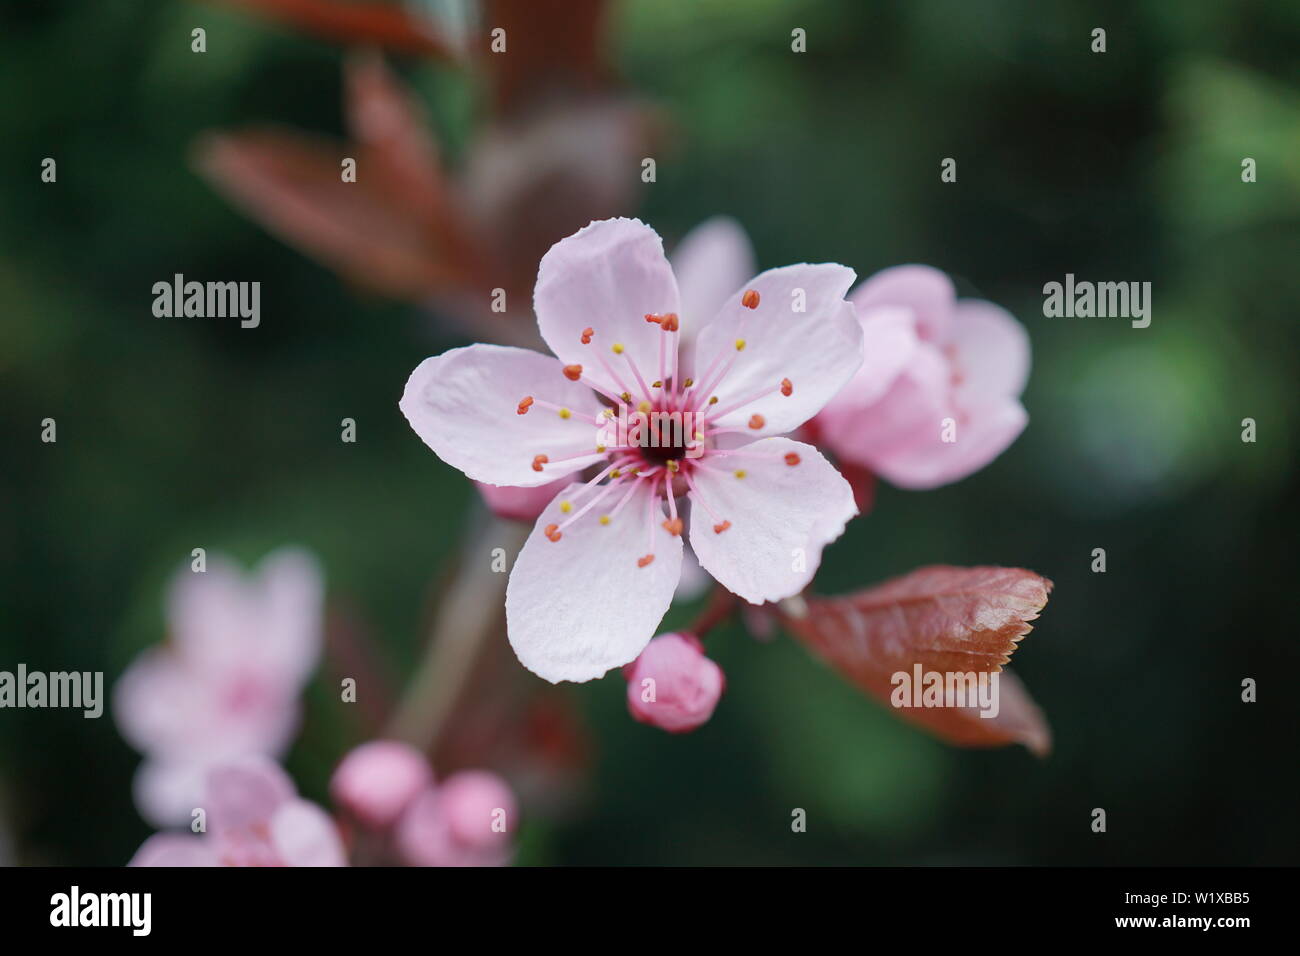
column 947, row 620
column 384, row 24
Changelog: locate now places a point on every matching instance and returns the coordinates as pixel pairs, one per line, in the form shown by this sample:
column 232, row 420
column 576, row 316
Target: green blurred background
column 180, row 433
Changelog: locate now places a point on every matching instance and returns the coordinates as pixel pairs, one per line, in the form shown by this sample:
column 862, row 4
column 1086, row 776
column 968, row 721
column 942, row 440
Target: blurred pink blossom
column 227, row 682
column 929, row 358
column 609, row 307
column 254, row 817
column 672, row 685
column 378, row 780
column 469, row 820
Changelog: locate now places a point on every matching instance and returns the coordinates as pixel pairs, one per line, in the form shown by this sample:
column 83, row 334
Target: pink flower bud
column 468, row 821
column 376, row 781
column 520, row 504
column 672, row 685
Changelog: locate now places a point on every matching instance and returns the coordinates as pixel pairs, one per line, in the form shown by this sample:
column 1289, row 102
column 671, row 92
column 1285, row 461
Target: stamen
column 566, row 507
column 740, row 345
column 757, row 421
column 552, row 532
column 674, row 526
column 791, row 459
column 740, row 473
column 787, row 387
column 719, row 525
column 524, row 404
column 750, row 299
column 538, row 461
column 566, row 413
column 573, row 372
column 643, row 561
column 587, row 333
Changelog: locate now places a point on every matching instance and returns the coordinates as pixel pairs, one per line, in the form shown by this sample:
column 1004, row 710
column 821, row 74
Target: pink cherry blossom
column 227, row 683
column 672, row 685
column 601, row 565
column 467, row 821
column 929, row 358
column 378, row 780
column 254, row 817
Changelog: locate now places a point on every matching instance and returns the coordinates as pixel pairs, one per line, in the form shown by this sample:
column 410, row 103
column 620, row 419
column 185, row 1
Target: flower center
column 656, row 431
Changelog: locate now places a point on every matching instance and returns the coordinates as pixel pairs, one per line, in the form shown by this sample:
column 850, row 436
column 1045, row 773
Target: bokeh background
column 177, row 433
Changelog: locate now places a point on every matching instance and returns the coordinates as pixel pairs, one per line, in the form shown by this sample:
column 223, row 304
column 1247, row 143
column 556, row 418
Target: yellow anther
column 672, row 466
column 689, row 382
column 604, row 519
column 600, row 448
column 740, row 345
column 616, row 473
column 565, row 413
column 643, row 407
column 740, row 473
column 626, row 396
column 713, row 400
column 566, row 506
column 657, row 384
column 617, row 348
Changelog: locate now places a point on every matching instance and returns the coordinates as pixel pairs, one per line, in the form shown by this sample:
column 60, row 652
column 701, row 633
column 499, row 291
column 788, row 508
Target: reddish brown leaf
column 290, row 183
column 551, row 44
column 385, row 24
column 946, row 619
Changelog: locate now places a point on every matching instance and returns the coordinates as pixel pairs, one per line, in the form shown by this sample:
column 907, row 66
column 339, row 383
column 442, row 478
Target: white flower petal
column 582, row 605
column 464, row 404
column 818, row 349
column 781, row 517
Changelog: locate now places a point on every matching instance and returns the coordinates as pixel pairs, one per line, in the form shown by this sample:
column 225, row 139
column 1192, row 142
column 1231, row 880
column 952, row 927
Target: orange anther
column 673, row 526
column 524, row 404
column 538, row 461
column 586, row 335
column 791, row 459
column 719, row 528
column 552, row 532
column 787, row 387
column 757, row 421
column 642, row 562
column 573, row 372
column 750, row 299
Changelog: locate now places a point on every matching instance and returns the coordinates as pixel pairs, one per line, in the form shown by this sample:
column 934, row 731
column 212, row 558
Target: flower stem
column 469, row 612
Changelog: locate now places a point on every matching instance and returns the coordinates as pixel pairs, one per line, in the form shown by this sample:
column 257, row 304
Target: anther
column 674, row 526
column 643, row 561
column 719, row 528
column 672, row 465
column 586, row 335
column 643, row 407
column 688, row 383
column 791, row 459
column 552, row 532
column 573, row 372
column 740, row 473
column 565, row 413
column 617, row 348
column 567, row 506
column 750, row 299
column 538, row 461
column 787, row 387
column 740, row 345
column 524, row 404
column 757, row 421
column 604, row 519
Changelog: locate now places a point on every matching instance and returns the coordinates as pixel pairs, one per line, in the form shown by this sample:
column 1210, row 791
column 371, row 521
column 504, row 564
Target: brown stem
column 469, row 613
column 722, row 603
